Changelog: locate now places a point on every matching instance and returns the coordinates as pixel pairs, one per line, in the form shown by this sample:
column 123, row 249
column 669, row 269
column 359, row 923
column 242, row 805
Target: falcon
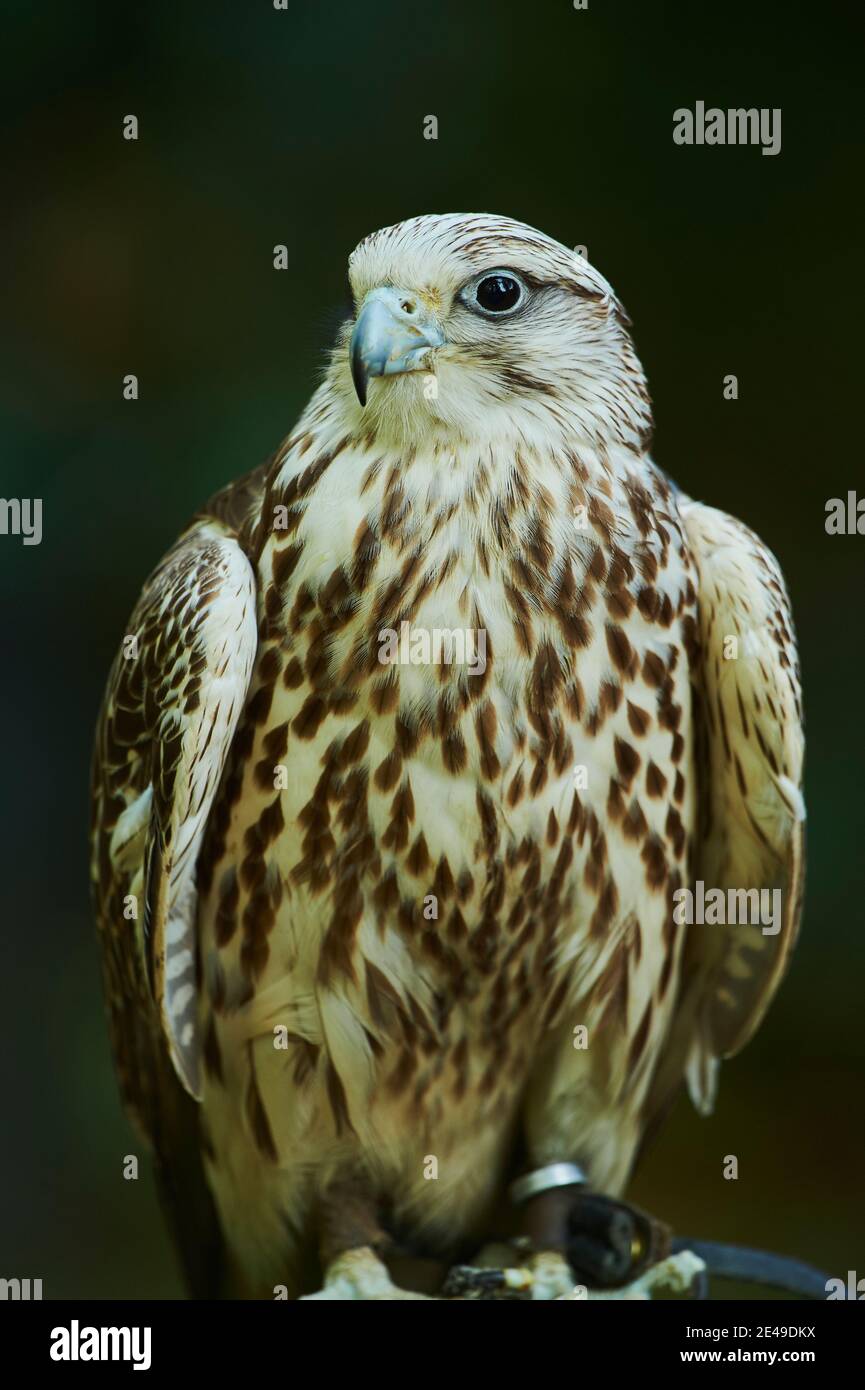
column 392, row 955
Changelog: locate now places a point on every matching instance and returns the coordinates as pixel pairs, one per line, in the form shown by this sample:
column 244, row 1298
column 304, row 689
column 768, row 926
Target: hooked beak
column 394, row 333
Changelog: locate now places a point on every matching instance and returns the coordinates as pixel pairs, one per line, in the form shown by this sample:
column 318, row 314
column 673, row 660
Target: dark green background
column 305, row 128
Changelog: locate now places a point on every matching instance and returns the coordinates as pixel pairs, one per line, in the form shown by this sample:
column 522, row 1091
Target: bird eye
column 498, row 293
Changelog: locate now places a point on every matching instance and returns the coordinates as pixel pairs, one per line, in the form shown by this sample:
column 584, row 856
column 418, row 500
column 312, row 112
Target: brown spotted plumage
column 353, row 911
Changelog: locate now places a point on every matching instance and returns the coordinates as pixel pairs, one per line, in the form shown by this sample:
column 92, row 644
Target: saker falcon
column 388, row 938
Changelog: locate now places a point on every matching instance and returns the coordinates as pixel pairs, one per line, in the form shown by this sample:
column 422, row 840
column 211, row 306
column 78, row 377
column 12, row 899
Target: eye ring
column 496, row 293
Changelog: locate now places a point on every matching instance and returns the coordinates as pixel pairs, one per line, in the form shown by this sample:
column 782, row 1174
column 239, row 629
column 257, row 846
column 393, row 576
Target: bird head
column 474, row 327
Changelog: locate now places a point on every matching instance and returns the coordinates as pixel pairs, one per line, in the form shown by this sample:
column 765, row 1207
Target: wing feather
column 749, row 752
column 174, row 697
column 173, row 700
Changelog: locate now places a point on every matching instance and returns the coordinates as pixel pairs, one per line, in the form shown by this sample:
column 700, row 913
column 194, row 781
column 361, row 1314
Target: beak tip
column 359, row 377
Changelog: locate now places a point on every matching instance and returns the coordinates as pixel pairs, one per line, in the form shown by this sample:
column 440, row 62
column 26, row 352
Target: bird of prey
column 416, row 737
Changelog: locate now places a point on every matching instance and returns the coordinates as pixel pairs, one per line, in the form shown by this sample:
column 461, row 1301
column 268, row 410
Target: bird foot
column 552, row 1276
column 607, row 1243
column 547, row 1276
column 679, row 1276
column 360, row 1275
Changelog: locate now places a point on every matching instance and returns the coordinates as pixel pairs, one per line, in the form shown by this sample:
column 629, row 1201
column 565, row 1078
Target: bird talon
column 359, row 1275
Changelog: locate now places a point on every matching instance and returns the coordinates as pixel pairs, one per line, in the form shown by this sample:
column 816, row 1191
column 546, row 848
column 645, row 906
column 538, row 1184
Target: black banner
column 200, row 1338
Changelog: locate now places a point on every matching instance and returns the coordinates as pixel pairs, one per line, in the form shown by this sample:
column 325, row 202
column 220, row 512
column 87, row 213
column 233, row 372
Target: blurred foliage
column 259, row 127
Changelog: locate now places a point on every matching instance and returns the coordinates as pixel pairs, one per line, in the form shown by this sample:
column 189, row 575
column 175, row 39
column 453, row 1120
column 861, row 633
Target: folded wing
column 749, row 755
column 174, row 697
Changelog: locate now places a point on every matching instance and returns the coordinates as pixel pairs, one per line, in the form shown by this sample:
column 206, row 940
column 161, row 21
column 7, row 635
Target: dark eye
column 497, row 294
